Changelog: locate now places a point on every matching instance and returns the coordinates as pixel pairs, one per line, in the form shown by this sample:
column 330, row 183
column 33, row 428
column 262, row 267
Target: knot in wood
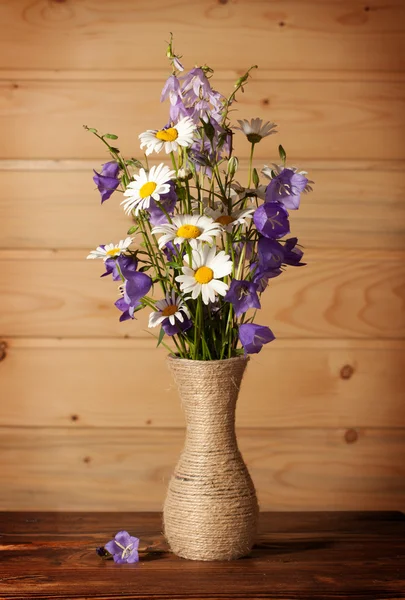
column 351, row 436
column 3, row 349
column 346, row 372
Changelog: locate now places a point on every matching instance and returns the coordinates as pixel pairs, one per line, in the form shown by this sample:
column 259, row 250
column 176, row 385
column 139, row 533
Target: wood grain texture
column 95, row 34
column 69, row 383
column 128, row 469
column 344, row 210
column 351, row 119
column 295, row 554
column 339, row 294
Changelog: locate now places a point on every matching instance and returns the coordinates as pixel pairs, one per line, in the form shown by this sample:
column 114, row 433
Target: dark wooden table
column 297, row 555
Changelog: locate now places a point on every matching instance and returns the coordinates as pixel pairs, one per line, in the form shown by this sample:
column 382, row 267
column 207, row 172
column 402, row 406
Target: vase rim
column 173, row 357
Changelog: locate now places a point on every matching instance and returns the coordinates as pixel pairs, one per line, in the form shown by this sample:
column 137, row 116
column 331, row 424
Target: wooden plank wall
column 89, row 418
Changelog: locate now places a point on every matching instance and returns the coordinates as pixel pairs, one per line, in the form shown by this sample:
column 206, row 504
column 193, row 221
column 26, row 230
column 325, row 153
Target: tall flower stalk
column 202, row 248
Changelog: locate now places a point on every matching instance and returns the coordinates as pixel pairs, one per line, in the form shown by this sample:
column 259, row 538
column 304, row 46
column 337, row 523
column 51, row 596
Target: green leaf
column 208, row 129
column 255, row 178
column 181, row 192
column 161, row 336
column 110, row 136
column 132, row 229
column 91, row 129
column 282, row 153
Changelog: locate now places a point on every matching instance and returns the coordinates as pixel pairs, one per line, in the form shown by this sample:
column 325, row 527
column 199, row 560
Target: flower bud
column 233, row 165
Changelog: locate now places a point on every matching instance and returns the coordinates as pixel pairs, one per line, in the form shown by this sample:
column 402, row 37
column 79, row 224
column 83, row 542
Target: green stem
column 251, row 164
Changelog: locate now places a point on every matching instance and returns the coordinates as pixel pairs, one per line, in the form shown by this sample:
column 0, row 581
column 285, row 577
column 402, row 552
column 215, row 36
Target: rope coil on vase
column 211, row 508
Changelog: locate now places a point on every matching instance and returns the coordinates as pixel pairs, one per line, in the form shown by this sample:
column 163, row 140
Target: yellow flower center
column 113, row 251
column 225, row 220
column 147, row 189
column 204, row 275
column 171, row 309
column 188, row 232
column 167, row 135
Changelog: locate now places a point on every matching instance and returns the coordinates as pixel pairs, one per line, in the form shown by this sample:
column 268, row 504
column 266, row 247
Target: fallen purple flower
column 124, row 548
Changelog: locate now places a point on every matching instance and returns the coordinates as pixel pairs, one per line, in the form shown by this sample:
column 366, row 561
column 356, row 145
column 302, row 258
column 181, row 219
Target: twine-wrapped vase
column 211, row 509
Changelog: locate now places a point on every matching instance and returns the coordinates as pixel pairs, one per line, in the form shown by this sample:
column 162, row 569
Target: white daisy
column 203, row 274
column 172, row 306
column 255, row 130
column 228, row 221
column 111, row 250
column 190, row 228
column 145, row 186
column 170, row 138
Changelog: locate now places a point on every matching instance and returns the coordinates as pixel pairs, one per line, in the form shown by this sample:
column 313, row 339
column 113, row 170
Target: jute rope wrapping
column 211, row 509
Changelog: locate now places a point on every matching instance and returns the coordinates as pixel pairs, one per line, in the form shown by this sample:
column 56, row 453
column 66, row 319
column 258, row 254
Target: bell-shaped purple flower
column 262, row 276
column 124, row 548
column 107, row 181
column 179, row 110
column 196, row 85
column 126, row 264
column 177, row 327
column 270, row 253
column 286, row 188
column 242, row 295
column 171, row 90
column 168, row 202
column 171, row 251
column 238, row 247
column 126, row 309
column 253, row 337
column 136, row 288
column 292, row 254
column 271, row 220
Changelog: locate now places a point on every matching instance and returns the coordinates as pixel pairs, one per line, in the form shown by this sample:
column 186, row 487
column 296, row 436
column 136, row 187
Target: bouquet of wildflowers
column 203, row 247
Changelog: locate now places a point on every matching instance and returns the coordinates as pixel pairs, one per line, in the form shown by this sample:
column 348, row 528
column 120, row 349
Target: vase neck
column 209, row 392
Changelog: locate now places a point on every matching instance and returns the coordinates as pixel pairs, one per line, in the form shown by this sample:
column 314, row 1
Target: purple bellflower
column 171, row 90
column 242, row 295
column 107, row 181
column 126, row 309
column 168, row 202
column 134, row 289
column 287, row 188
column 253, row 337
column 292, row 254
column 270, row 253
column 178, row 327
column 271, row 220
column 126, row 264
column 262, row 276
column 123, row 548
